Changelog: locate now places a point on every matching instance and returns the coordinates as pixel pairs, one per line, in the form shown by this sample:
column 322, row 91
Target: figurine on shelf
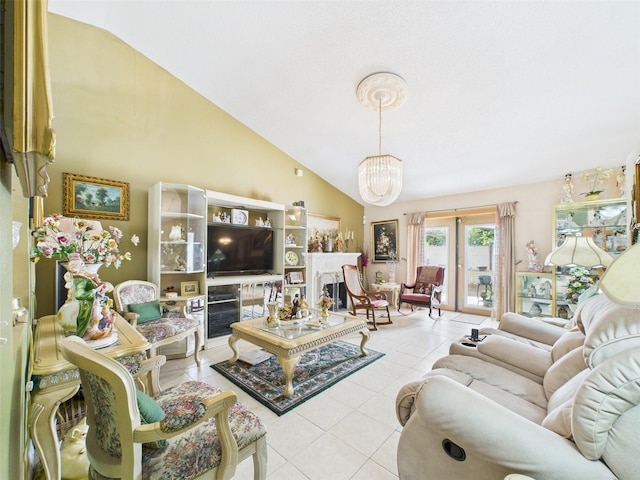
column 597, row 220
column 176, row 233
column 621, row 180
column 316, row 246
column 339, row 243
column 217, row 217
column 568, row 222
column 290, row 239
column 532, row 258
column 267, row 222
column 180, row 265
column 259, row 222
column 567, row 189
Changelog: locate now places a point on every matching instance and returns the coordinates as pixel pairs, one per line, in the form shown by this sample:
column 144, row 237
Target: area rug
column 468, row 318
column 315, row 372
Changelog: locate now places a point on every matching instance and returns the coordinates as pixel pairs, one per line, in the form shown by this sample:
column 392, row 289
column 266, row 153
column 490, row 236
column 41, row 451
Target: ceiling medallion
column 380, row 176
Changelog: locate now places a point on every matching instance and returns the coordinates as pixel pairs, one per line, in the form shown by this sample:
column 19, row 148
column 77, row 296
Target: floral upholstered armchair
column 138, row 302
column 192, row 430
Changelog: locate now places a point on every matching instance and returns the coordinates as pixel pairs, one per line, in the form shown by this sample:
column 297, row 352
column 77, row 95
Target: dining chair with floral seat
column 363, row 299
column 189, row 431
column 138, row 302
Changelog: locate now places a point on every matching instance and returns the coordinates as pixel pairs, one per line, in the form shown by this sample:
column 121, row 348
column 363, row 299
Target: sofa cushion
column 563, row 370
column 572, row 339
column 497, row 377
column 558, row 420
column 610, row 328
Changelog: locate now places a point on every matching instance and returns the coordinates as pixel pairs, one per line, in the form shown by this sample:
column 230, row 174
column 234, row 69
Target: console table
column 57, row 380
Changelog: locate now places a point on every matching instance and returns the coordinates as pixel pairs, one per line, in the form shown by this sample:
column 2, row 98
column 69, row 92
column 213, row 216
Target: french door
column 464, row 246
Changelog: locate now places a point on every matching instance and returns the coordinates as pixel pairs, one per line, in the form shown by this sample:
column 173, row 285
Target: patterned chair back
column 133, row 291
column 112, row 410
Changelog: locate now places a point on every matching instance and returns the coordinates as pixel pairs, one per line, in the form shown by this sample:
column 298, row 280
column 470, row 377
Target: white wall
column 533, row 215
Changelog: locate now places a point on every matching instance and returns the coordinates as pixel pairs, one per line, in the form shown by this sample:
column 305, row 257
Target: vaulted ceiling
column 499, row 92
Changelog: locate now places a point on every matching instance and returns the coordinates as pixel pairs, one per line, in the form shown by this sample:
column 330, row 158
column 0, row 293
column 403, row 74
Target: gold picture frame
column 93, row 197
column 188, row 289
column 384, row 239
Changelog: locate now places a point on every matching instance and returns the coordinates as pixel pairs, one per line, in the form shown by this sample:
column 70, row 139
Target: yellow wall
column 120, row 116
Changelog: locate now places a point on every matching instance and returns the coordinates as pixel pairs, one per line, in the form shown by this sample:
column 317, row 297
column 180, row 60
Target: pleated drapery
column 506, row 259
column 415, row 243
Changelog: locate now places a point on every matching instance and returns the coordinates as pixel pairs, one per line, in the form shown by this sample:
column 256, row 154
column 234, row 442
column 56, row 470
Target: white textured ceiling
column 500, row 92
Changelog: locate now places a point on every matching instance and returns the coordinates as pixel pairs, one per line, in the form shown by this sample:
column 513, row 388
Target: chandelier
column 380, row 176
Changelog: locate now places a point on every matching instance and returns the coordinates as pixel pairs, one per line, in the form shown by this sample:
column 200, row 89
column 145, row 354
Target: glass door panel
column 437, row 252
column 476, row 264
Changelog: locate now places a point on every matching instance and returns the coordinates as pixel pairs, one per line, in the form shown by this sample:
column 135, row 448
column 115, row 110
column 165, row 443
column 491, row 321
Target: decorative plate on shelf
column 291, row 258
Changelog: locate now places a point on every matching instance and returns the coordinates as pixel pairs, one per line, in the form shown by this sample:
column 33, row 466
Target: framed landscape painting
column 384, row 236
column 92, row 197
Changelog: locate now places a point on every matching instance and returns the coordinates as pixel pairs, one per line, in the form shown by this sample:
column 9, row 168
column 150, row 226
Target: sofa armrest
column 496, row 440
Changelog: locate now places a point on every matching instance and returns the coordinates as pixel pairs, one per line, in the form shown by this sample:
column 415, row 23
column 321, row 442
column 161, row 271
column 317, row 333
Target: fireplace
column 338, row 292
column 326, row 269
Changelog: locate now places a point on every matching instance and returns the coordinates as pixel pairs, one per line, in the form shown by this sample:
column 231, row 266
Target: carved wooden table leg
column 288, row 367
column 234, row 347
column 365, row 337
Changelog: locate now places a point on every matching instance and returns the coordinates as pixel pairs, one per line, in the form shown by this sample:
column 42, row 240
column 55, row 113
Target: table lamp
column 579, row 251
column 620, row 281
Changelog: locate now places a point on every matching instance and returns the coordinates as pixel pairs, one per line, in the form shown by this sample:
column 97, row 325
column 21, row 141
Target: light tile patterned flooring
column 350, row 430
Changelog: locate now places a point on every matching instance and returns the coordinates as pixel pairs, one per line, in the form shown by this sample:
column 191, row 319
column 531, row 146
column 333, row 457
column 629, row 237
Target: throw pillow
column 148, row 311
column 150, row 412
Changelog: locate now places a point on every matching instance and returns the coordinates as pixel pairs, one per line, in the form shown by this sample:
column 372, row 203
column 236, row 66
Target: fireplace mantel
column 327, row 265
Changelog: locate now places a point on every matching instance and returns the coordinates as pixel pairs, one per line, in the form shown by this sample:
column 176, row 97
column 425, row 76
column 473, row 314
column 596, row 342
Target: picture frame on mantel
column 384, row 237
column 322, row 226
column 93, row 197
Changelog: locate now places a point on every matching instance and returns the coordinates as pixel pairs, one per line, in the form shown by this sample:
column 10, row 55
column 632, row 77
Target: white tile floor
column 350, row 430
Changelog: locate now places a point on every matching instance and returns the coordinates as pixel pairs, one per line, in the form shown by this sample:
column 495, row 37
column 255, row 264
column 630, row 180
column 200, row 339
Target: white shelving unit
column 295, row 252
column 232, row 297
column 176, row 251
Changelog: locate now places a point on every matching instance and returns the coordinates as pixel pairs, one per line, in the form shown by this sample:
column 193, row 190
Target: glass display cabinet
column 605, row 221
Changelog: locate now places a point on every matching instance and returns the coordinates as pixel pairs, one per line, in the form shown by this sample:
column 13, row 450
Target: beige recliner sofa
column 521, row 344
column 470, row 418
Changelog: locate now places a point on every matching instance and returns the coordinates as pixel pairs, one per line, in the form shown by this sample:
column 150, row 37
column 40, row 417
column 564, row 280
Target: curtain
column 415, row 243
column 506, row 259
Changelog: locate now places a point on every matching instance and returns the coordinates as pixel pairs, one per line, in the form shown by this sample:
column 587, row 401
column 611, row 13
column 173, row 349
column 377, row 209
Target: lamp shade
column 580, row 251
column 380, row 179
column 620, row 281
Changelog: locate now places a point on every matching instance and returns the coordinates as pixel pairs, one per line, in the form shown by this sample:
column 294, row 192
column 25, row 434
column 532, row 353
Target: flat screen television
column 238, row 249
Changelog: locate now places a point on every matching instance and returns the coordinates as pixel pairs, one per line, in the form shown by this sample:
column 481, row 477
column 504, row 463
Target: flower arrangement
column 364, row 258
column 79, row 241
column 579, row 281
column 594, row 178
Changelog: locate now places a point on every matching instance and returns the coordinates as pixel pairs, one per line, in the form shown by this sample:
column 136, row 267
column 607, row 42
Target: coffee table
column 291, row 339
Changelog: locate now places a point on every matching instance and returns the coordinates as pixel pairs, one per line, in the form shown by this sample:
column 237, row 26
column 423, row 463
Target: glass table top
column 300, row 327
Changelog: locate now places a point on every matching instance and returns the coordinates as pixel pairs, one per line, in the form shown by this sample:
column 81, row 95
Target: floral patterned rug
column 316, row 371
